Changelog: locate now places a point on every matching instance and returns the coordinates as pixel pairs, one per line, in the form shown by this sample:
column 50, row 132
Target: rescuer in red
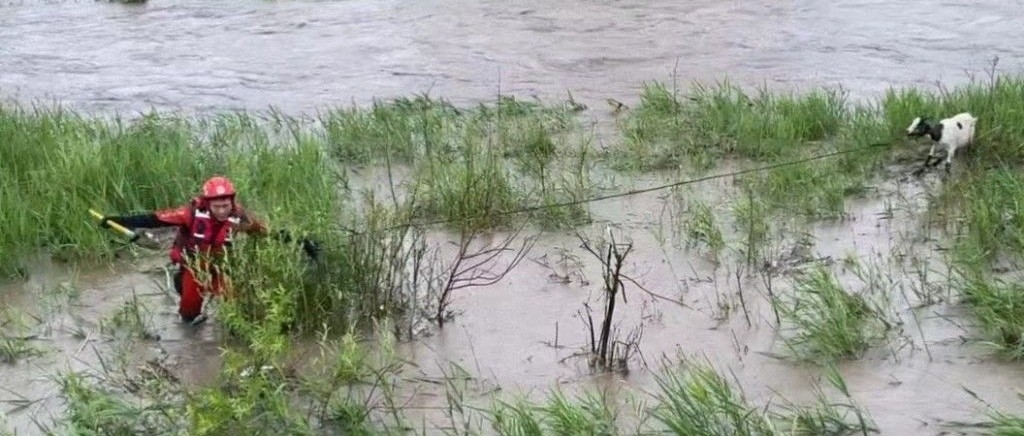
column 206, row 226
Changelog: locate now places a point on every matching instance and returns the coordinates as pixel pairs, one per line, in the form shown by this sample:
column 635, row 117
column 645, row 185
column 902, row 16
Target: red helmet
column 217, row 187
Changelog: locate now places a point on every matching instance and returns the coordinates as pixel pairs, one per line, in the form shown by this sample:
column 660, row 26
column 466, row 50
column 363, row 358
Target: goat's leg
column 949, row 158
column 927, row 159
column 937, row 158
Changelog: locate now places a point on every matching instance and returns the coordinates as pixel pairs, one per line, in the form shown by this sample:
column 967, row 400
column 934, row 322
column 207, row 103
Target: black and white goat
column 951, row 133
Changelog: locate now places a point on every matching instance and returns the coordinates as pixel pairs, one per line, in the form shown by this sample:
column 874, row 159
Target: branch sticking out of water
column 474, row 267
column 604, row 350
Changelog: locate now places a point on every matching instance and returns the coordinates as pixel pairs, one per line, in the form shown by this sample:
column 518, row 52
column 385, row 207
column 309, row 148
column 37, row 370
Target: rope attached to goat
column 643, row 190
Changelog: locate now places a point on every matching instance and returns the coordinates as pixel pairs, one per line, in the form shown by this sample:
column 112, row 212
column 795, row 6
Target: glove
column 311, row 248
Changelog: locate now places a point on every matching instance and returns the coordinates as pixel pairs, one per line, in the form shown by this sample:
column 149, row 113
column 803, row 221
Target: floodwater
column 520, row 333
column 302, row 55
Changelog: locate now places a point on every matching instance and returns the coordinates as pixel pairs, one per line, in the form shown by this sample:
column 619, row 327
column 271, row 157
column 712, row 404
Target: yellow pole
column 127, row 232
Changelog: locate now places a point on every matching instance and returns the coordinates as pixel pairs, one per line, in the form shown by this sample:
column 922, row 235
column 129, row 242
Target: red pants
column 191, row 291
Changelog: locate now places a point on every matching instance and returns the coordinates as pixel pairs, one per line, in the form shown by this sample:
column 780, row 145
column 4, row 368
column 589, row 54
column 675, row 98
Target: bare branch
column 470, row 267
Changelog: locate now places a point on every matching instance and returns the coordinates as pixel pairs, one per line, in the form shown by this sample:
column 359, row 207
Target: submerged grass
column 695, row 398
column 702, row 401
column 999, row 307
column 1007, row 425
column 831, row 323
column 584, row 414
column 15, row 338
column 257, row 392
column 987, row 215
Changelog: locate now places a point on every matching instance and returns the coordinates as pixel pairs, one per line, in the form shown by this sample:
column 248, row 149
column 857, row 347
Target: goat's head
column 921, row 126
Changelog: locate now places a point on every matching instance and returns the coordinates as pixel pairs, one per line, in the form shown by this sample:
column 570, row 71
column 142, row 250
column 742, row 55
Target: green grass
column 825, row 416
column 830, row 322
column 701, row 227
column 699, row 400
column 695, row 398
column 669, row 127
column 987, row 209
column 986, row 214
column 697, row 128
column 473, row 189
column 998, row 305
column 257, row 392
column 710, row 122
column 1007, row 425
column 95, row 410
column 583, row 414
column 406, row 129
column 15, row 337
column 752, row 222
column 56, row 164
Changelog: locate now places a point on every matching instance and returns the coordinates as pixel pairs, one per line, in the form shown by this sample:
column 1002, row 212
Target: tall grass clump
column 701, row 227
column 93, row 407
column 587, row 413
column 405, row 129
column 402, row 129
column 699, row 400
column 352, row 282
column 830, row 322
column 752, row 222
column 667, row 129
column 695, row 398
column 56, row 165
column 471, row 190
column 994, row 99
column 989, row 214
column 990, row 230
column 1005, row 424
column 999, row 307
column 346, row 386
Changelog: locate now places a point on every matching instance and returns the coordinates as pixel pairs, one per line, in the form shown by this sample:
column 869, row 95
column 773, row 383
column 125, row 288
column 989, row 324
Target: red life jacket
column 205, row 234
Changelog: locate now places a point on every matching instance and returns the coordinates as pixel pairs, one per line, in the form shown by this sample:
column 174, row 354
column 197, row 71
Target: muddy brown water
column 300, row 56
column 194, row 55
